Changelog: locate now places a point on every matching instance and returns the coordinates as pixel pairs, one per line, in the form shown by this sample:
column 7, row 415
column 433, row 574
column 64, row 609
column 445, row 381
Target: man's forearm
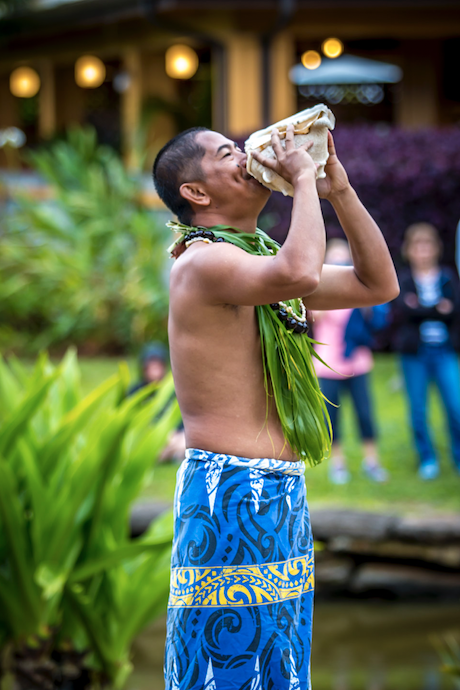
column 371, row 258
column 304, row 248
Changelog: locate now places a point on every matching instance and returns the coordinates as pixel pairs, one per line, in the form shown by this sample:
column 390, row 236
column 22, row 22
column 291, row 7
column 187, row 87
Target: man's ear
column 194, row 193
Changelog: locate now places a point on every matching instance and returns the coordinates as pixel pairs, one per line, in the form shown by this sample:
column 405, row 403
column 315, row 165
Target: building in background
column 141, row 70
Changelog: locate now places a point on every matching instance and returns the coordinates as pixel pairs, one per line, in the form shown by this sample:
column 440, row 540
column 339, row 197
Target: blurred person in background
column 153, row 366
column 344, row 337
column 425, row 333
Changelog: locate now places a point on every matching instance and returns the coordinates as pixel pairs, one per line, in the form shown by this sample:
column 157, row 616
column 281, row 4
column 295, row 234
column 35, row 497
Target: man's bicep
column 339, row 288
column 229, row 275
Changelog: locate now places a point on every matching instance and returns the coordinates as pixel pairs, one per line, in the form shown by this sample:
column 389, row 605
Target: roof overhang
column 347, row 69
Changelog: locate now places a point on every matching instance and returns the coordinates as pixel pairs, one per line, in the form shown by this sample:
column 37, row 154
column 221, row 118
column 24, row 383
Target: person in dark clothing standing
column 424, row 318
column 153, row 365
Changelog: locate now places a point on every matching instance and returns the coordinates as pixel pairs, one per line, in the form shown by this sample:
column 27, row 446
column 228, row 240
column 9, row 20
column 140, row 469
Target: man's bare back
column 217, row 366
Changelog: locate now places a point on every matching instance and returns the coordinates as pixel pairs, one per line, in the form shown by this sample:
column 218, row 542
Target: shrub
column 72, row 584
column 88, row 266
column 449, row 650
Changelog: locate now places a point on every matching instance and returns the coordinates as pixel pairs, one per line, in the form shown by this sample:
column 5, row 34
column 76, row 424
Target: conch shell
column 310, row 124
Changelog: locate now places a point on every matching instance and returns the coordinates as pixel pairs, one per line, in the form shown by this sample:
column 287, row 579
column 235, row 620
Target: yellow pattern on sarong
column 241, row 585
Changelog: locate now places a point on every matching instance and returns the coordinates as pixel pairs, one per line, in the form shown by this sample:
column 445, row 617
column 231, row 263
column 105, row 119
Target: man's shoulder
column 201, row 257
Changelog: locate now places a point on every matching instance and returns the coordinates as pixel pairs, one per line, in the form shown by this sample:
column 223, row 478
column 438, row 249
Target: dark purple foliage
column 401, row 176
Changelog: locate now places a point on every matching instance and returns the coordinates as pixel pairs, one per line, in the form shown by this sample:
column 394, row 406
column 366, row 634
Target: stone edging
column 362, row 554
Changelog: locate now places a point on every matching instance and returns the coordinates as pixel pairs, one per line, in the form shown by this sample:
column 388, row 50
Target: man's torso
column 218, row 372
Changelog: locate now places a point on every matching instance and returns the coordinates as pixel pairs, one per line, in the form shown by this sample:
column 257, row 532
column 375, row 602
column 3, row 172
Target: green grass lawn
column 404, row 492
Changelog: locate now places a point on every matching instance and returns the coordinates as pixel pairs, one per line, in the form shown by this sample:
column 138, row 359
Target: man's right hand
column 291, row 163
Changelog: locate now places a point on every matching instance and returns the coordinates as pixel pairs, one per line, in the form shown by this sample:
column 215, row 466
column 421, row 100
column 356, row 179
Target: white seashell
column 310, row 124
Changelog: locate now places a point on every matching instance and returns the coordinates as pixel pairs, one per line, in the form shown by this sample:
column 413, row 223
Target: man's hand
column 290, row 163
column 336, row 180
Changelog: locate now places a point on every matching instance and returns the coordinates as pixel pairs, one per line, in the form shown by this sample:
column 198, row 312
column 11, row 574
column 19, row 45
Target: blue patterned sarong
column 241, row 599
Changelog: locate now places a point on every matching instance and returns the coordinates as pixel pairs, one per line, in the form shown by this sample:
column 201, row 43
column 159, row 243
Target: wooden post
column 131, row 104
column 244, row 84
column 419, row 98
column 219, row 88
column 47, row 101
column 283, row 91
column 159, row 126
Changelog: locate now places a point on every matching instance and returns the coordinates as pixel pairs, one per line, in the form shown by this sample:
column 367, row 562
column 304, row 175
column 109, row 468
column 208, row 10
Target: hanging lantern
column 332, row 47
column 311, row 59
column 24, row 82
column 181, row 62
column 89, row 72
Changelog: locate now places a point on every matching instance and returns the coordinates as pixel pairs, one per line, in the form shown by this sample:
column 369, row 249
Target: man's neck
column 208, row 220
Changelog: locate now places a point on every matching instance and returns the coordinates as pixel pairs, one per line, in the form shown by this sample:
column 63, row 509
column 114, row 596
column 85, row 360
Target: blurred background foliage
column 402, row 177
column 449, row 650
column 88, row 265
column 75, row 590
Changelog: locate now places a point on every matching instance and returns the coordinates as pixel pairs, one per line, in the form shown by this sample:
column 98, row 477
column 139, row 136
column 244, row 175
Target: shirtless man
column 242, row 581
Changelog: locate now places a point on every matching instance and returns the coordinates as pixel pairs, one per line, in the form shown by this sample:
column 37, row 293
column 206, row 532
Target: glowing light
column 311, row 59
column 24, row 82
column 122, row 82
column 181, row 62
column 12, row 136
column 332, row 47
column 89, row 72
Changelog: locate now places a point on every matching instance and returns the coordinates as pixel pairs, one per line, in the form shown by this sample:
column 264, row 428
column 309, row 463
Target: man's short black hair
column 179, row 161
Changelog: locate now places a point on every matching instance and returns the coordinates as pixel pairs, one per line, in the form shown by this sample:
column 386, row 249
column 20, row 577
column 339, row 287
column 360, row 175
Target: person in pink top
column 345, row 373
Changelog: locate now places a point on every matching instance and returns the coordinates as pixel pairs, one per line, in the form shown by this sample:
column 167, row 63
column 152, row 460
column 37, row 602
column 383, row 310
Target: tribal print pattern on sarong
column 242, row 576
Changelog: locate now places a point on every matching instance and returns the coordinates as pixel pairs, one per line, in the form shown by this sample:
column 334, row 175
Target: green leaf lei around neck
column 289, row 374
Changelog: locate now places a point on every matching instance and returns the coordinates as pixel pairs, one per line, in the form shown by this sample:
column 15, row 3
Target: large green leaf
column 14, row 526
column 74, row 421
column 17, row 421
column 83, row 607
column 10, row 389
column 117, row 556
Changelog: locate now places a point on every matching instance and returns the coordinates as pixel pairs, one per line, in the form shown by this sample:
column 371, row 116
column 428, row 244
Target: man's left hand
column 336, row 180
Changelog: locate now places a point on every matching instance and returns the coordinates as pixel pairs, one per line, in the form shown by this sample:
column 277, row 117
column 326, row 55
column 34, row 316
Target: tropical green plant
column 8, row 7
column 74, row 589
column 87, row 266
column 449, row 651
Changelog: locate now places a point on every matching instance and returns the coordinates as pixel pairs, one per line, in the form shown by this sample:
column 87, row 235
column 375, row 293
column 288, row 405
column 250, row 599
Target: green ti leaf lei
column 287, row 359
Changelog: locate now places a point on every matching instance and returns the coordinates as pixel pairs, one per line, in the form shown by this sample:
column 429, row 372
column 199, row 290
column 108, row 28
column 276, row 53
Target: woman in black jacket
column 425, row 317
